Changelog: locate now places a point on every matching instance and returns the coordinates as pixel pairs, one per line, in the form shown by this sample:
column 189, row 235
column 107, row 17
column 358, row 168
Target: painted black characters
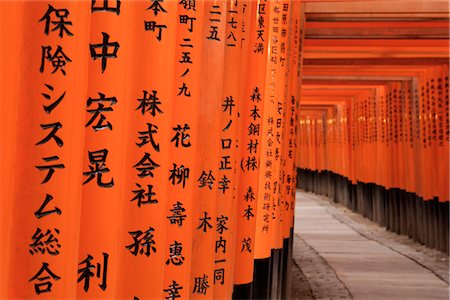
column 104, row 50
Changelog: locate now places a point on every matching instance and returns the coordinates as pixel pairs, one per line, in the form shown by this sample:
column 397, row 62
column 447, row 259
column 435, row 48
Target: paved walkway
column 341, row 262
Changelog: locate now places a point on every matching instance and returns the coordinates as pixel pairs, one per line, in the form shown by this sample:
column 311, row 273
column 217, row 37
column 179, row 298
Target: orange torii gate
column 140, row 140
column 398, row 141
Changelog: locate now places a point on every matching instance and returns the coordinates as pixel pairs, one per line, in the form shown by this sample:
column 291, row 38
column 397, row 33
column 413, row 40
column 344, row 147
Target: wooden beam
column 343, row 82
column 358, row 78
column 397, row 6
column 379, row 44
column 377, row 17
column 375, row 48
column 328, row 87
column 375, row 61
column 376, row 32
column 377, row 24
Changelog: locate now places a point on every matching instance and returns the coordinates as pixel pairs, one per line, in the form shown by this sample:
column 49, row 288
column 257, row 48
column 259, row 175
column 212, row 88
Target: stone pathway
column 344, row 256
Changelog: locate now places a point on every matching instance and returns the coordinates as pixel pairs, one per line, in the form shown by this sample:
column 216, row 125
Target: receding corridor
column 341, row 255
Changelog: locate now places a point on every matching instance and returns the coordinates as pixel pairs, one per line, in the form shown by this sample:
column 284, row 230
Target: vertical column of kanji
column 424, row 81
column 239, row 212
column 384, row 132
column 289, row 140
column 149, row 80
column 401, row 114
column 103, row 174
column 393, row 134
column 396, row 162
column 421, row 132
column 210, row 129
column 286, row 99
column 432, row 145
column 417, row 129
column 226, row 211
column 435, row 161
column 432, row 119
column 279, row 48
column 250, row 141
column 301, row 25
column 362, row 137
column 11, row 30
column 408, row 136
column 426, row 125
column 377, row 120
column 374, row 134
column 297, row 67
column 443, row 133
column 292, row 123
column 366, row 144
column 361, row 132
column 183, row 137
column 266, row 199
column 44, row 236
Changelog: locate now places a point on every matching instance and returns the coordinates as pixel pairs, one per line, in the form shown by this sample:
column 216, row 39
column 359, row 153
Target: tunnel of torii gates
column 149, row 149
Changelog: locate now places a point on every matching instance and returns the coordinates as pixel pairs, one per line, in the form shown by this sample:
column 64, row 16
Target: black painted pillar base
column 287, row 266
column 261, row 278
column 242, row 291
